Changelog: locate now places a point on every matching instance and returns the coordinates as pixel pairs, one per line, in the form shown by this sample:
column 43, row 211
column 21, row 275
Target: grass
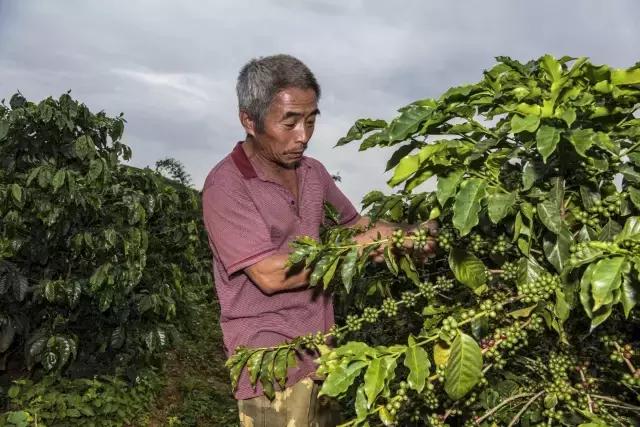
column 197, row 390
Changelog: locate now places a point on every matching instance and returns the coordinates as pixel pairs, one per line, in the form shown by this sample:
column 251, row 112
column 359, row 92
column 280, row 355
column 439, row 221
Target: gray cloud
column 171, row 66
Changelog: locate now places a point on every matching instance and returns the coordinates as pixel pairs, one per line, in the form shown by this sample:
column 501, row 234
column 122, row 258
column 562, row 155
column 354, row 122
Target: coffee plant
column 526, row 315
column 100, row 262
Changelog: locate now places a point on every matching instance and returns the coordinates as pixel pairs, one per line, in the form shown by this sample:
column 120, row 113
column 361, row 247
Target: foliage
column 99, row 261
column 173, row 169
column 527, row 313
column 103, row 401
column 197, row 391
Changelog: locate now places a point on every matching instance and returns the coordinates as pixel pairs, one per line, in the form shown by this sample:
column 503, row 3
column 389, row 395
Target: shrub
column 100, row 262
column 527, row 314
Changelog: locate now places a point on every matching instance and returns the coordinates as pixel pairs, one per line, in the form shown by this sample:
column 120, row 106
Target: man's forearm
column 272, row 274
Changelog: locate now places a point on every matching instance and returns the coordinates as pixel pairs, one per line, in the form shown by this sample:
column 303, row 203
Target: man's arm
column 271, row 274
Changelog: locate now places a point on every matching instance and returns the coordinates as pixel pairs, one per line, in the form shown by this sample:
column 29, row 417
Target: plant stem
column 589, row 400
column 524, row 408
column 500, row 405
column 630, row 149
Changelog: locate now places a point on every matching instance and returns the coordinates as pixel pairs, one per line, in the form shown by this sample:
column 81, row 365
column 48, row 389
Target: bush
column 527, row 314
column 100, row 263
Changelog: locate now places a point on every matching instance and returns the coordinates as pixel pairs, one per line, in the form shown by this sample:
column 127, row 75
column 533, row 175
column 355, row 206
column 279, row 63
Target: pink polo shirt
column 248, row 218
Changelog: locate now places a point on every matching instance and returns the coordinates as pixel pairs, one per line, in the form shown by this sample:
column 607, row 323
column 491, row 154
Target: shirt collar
column 242, row 162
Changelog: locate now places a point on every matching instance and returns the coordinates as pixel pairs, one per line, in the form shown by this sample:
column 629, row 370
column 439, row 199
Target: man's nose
column 303, row 134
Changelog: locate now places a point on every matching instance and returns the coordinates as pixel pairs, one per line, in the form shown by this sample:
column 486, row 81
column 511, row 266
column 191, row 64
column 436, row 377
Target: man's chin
column 292, row 164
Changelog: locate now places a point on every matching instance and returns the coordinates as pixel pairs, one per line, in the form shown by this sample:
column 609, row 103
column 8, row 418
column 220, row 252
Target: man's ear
column 248, row 123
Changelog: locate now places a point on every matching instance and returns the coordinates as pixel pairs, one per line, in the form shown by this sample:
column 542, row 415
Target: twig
column 616, row 401
column 524, row 408
column 584, row 380
column 500, row 405
column 629, row 408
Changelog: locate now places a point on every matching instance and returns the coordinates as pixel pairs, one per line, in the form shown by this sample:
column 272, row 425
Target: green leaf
column 529, row 271
column 360, row 128
column 361, row 404
column 522, row 312
column 499, row 205
column 417, row 361
column 609, row 231
column 582, row 140
column 95, row 169
column 254, row 364
column 464, row 367
column 320, row 269
column 447, row 186
column 340, row 379
column 266, row 374
column 467, row 268
column 390, row 260
column 376, row 377
column 606, row 278
column 4, row 129
column 549, row 215
column 406, row 167
column 568, row 115
column 84, row 146
column 401, row 153
column 531, row 172
column 236, row 364
column 527, row 123
column 328, row 275
column 348, row 268
column 634, row 195
column 552, row 67
column 547, row 139
column 630, row 231
column 561, row 308
column 409, row 269
column 16, row 192
column 408, row 122
column 556, row 248
column 625, row 77
column 467, row 204
column 58, row 179
column 33, row 175
column 629, row 297
column 281, row 365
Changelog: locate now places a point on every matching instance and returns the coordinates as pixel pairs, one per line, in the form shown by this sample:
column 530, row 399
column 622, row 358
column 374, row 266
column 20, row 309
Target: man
column 257, row 200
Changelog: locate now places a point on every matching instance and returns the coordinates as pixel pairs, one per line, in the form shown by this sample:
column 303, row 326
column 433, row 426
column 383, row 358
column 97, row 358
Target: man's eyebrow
column 288, row 114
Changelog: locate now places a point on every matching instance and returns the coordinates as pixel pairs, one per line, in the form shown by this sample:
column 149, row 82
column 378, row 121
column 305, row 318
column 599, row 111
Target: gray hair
column 261, row 79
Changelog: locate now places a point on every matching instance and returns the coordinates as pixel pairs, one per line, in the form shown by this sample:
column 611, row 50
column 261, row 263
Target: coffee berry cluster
column 397, row 238
column 501, row 245
column 395, row 403
column 445, row 238
column 540, row 289
column 509, row 271
column 419, row 238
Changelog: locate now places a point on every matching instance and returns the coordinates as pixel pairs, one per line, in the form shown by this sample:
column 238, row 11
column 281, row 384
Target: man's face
column 288, row 126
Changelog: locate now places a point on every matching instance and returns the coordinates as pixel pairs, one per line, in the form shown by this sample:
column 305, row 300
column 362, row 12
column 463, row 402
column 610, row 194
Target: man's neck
column 257, row 156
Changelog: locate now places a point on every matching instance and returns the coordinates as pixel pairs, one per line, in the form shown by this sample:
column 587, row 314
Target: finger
column 431, row 225
column 431, row 246
column 378, row 259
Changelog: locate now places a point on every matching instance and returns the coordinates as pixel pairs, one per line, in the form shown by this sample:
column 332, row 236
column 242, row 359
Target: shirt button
column 293, row 202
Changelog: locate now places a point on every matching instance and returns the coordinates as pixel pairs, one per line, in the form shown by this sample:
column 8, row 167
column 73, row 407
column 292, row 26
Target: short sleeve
column 236, row 230
column 348, row 213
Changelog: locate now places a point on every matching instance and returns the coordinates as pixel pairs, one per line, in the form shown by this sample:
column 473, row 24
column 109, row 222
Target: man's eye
column 311, row 123
column 290, row 125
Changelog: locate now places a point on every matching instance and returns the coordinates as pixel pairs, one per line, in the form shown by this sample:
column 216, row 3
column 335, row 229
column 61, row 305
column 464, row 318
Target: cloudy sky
column 171, row 66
